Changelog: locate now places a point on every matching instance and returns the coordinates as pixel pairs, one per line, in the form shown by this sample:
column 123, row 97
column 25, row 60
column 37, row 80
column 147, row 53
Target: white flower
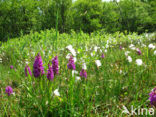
column 84, row 66
column 130, row 46
column 126, row 53
column 120, row 71
column 92, row 54
column 70, row 48
column 73, row 52
column 151, row 46
column 106, row 50
column 47, row 102
column 86, row 49
column 98, row 63
column 139, row 62
column 108, row 41
column 0, row 60
column 49, row 52
column 75, row 59
column 26, row 62
column 116, row 66
column 95, row 48
column 77, row 78
column 143, row 45
column 33, row 53
column 129, row 59
column 82, row 60
column 155, row 52
column 146, row 34
column 13, row 93
column 107, row 45
column 68, row 56
column 56, row 92
column 60, row 49
column 133, row 48
column 74, row 72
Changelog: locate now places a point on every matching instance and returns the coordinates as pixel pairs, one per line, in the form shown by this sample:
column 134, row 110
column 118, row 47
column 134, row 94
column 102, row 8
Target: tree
column 86, row 15
column 50, row 14
column 110, row 17
column 134, row 15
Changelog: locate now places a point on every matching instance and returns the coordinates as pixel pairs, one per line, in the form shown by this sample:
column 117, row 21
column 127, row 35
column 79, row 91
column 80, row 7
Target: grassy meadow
column 120, row 67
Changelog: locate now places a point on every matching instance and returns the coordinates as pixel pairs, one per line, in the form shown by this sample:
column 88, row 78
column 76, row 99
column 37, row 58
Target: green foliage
column 135, row 16
column 152, row 12
column 50, row 14
column 24, row 16
column 86, row 15
column 17, row 16
column 110, row 17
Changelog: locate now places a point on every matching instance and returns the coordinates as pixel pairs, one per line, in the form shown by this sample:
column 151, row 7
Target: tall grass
column 106, row 89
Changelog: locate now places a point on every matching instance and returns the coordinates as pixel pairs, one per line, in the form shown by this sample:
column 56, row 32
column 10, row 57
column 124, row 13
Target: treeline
column 23, row 16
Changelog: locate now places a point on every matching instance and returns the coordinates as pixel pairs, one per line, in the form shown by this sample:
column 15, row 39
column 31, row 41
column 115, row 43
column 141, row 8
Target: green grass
column 103, row 93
